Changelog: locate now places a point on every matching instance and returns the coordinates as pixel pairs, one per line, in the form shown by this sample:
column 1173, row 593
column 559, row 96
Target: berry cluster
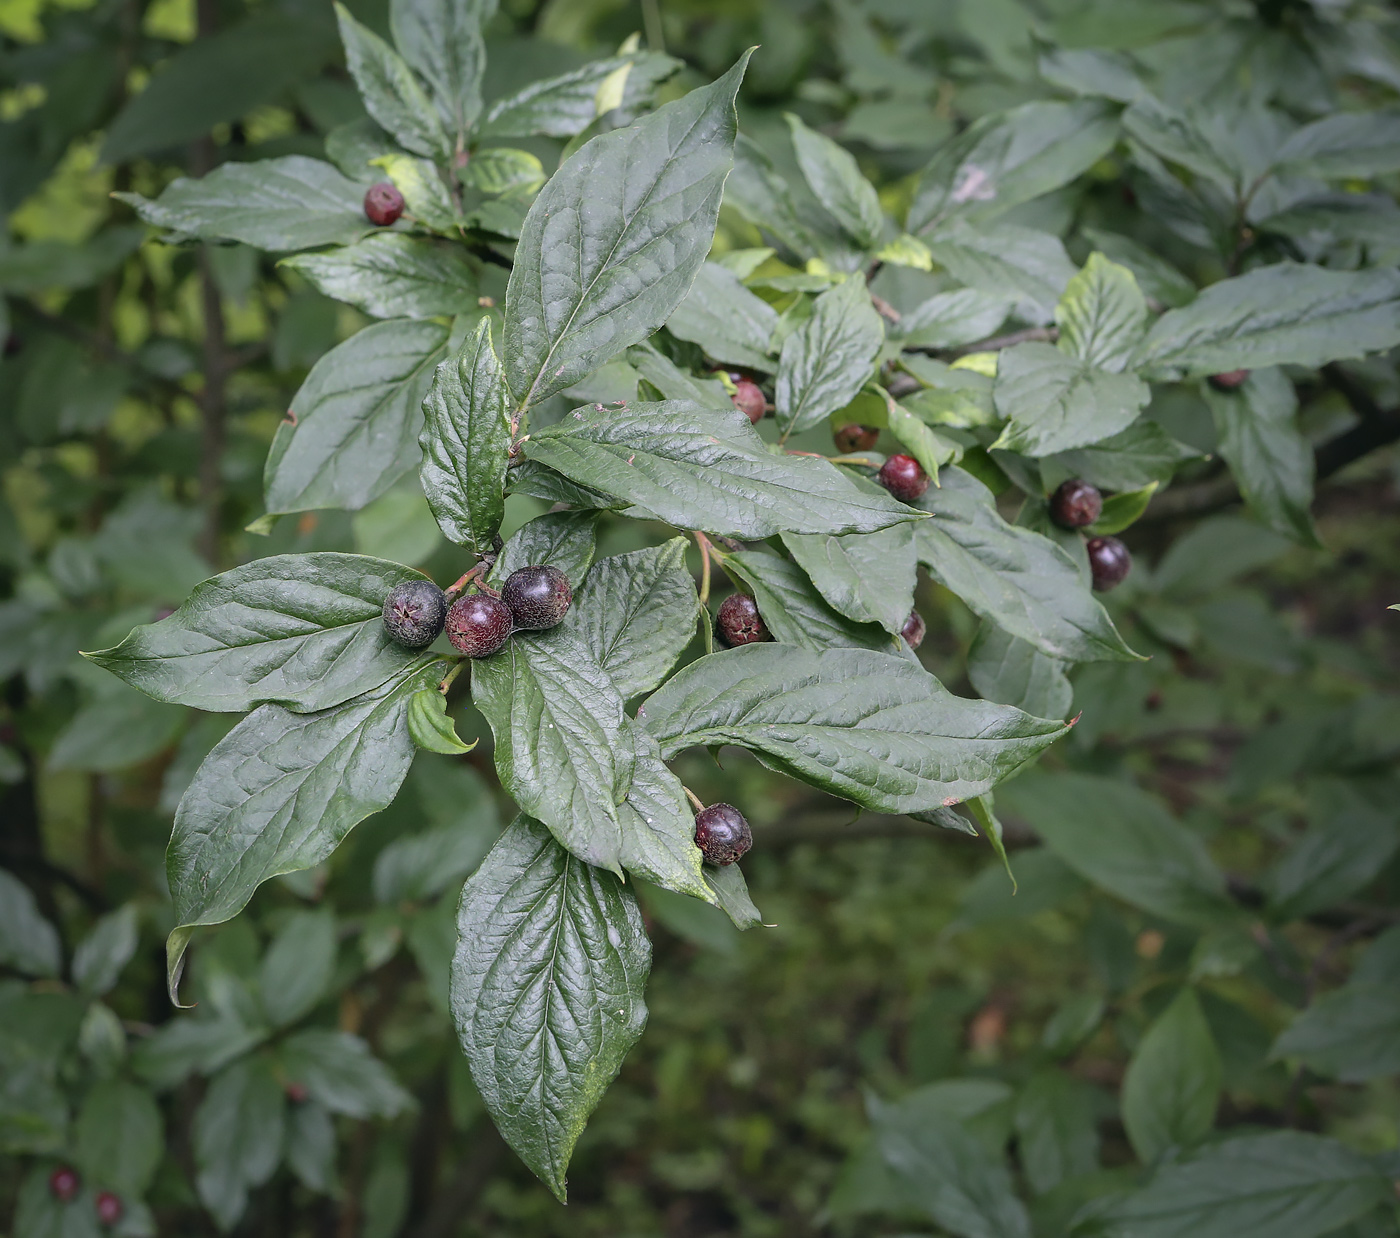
column 478, row 624
column 64, row 1185
column 1076, row 505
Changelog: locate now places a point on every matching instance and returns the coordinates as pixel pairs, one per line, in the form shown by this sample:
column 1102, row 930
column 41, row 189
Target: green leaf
column 1172, row 1086
column 358, row 417
column 952, row 319
column 1121, row 511
column 673, row 382
column 564, row 106
column 868, row 577
column 547, row 989
column 417, row 867
column 311, row 1147
column 1124, row 841
column 1269, row 457
column 930, row 448
column 339, row 1071
column 430, row 727
column 1327, row 220
column 1056, row 1129
column 658, row 825
column 1352, row 1034
column 278, row 794
column 238, row 1132
column 1129, row 460
column 1102, row 315
column 442, row 41
column 183, row 1046
column 1344, row 849
column 729, row 322
column 1006, row 261
column 105, row 951
column 118, row 728
column 1344, row 144
column 1017, row 579
column 565, row 540
column 304, row 631
column 389, row 275
column 702, row 469
column 298, row 966
column 1286, row 314
column 828, row 359
column 41, row 265
column 1191, row 140
column 466, row 444
column 1156, row 276
column 391, row 93
column 120, row 1139
column 425, row 196
column 1007, row 158
column 731, row 893
column 597, row 270
column 1281, row 1185
column 1093, row 71
column 1010, row 671
column 870, row 727
column 636, row 614
column 835, row 178
column 502, row 169
column 277, row 204
column 1055, row 403
column 28, row 942
column 561, row 746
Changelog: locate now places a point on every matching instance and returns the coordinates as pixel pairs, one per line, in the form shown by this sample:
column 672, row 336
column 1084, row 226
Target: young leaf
column 430, row 727
column 442, row 41
column 869, row 727
column 867, row 577
column 673, row 382
column 561, row 746
column 1102, row 315
column 565, row 540
column 836, row 180
column 828, row 359
column 1011, row 671
column 425, row 196
column 466, row 444
column 304, row 631
column 358, row 416
column 547, row 986
column 564, row 106
column 731, row 893
column 1172, row 1086
column 389, row 275
column 597, row 270
column 930, row 448
column 28, row 942
column 728, row 321
column 704, row 469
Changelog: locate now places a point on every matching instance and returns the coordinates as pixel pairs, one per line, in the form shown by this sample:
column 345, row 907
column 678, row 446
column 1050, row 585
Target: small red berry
column 739, row 622
column 903, row 477
column 296, row 1093
column 1109, row 562
column 749, row 399
column 1229, row 380
column 1076, row 504
column 109, row 1208
column 914, row 629
column 383, row 204
column 855, row 438
column 722, row 834
column 539, row 597
column 63, row 1183
column 479, row 624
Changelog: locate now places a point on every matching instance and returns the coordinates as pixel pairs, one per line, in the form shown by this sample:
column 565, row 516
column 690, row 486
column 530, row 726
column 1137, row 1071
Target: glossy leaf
column 389, row 275
column 1129, row 460
column 1172, row 1086
column 658, row 826
column 728, row 321
column 430, row 726
column 565, row 540
column 391, row 93
column 829, row 358
column 1102, row 315
column 867, row 577
column 564, row 106
column 836, row 179
column 1011, row 671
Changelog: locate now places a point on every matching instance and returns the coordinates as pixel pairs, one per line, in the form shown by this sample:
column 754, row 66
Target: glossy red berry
column 414, row 612
column 739, row 622
column 749, row 399
column 914, row 629
column 109, row 1208
column 64, row 1183
column 538, row 597
column 903, row 477
column 722, row 834
column 1229, row 380
column 1076, row 504
column 855, row 438
column 1109, row 562
column 383, row 204
column 479, row 624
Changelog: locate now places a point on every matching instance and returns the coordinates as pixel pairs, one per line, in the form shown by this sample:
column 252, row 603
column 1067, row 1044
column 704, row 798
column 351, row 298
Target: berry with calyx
column 1229, row 380
column 903, row 477
column 414, row 612
column 914, row 629
column 1076, row 504
column 383, row 204
column 722, row 834
column 538, row 597
column 1109, row 562
column 749, row 399
column 479, row 624
column 109, row 1208
column 63, row 1183
column 739, row 622
column 855, row 438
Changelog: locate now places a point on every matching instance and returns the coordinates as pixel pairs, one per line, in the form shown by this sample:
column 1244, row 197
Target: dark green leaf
column 1129, row 460
column 28, row 942
column 238, row 1131
column 1352, row 1034
column 868, row 577
column 442, row 41
column 389, row 275
column 1345, row 144
column 392, row 95
column 1345, row 848
column 836, row 180
column 1172, row 1086
column 563, row 107
column 658, row 825
column 565, row 540
column 105, row 951
column 119, row 1136
column 339, row 1071
column 1327, row 220
column 298, row 966
column 183, row 1046
column 1193, row 140
column 869, row 727
column 1011, row 671
column 728, row 321
column 118, row 728
column 1006, row 261
column 589, row 281
column 952, row 319
column 1156, row 276
column 673, row 382
column 417, row 867
column 1056, row 1129
column 732, row 893
column 311, row 1146
column 547, row 989
column 1055, row 403
column 829, row 358
column 1102, row 315
column 55, row 264
column 430, row 726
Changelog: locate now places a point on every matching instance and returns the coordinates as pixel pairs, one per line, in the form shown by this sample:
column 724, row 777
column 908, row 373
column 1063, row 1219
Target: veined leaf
column 565, row 540
column 1345, row 144
column 658, row 825
column 1011, row 671
column 430, row 727
column 836, row 179
column 1102, row 315
column 1005, row 260
column 389, row 275
column 1129, row 460
column 442, row 41
column 728, row 321
column 828, row 359
column 1172, row 1086
column 868, row 577
column 952, row 319
column 564, row 106
column 391, row 93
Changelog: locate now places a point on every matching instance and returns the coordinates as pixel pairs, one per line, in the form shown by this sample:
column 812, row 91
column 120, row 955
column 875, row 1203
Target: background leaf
column 1172, row 1087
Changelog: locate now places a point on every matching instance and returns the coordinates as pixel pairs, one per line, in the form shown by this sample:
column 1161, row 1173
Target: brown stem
column 994, row 343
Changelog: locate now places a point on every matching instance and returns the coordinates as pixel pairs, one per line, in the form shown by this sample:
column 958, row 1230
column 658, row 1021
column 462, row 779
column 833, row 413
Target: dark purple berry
column 722, row 834
column 414, row 612
column 383, row 204
column 748, row 399
column 109, row 1208
column 914, row 629
column 1109, row 562
column 903, row 477
column 1076, row 504
column 479, row 624
column 855, row 438
column 739, row 622
column 538, row 597
column 63, row 1183
column 1229, row 380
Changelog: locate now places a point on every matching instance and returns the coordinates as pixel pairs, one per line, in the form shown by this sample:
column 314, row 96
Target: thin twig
column 704, row 543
